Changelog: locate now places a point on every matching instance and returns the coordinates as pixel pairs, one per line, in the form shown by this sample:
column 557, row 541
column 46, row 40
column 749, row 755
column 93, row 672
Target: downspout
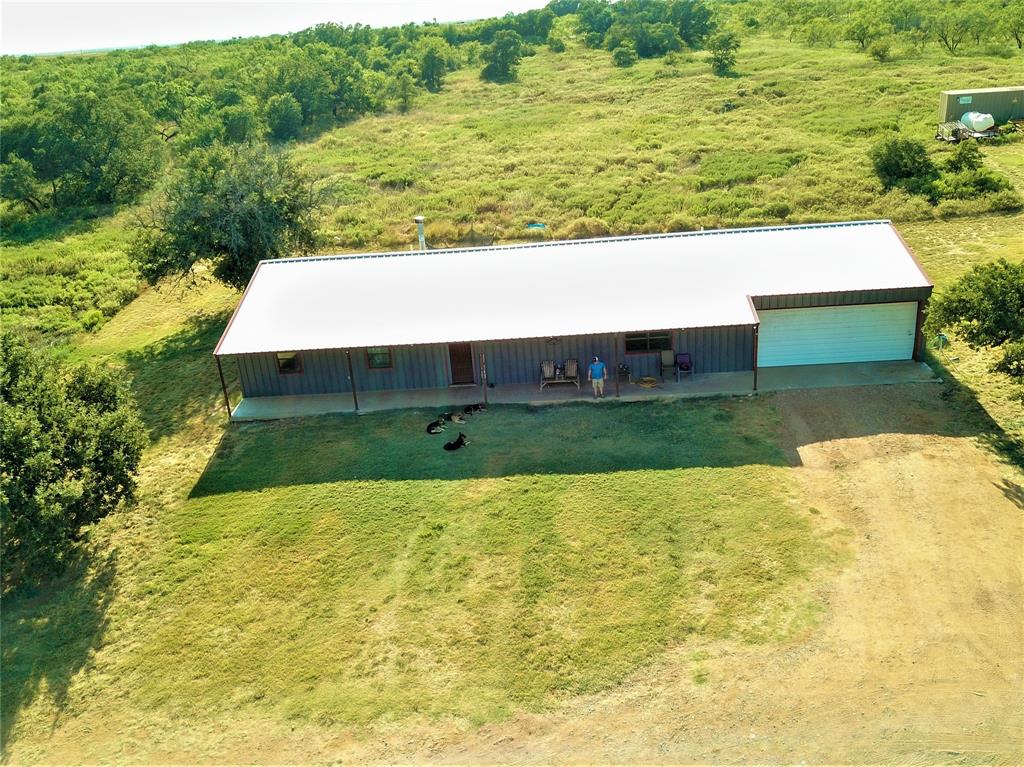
column 757, row 327
column 223, row 387
column 352, row 379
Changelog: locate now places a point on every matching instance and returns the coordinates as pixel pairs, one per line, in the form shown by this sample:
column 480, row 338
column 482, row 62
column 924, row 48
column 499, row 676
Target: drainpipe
column 419, row 232
column 615, row 365
column 756, row 329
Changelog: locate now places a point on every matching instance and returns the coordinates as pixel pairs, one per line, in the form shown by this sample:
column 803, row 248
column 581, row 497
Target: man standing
column 596, row 374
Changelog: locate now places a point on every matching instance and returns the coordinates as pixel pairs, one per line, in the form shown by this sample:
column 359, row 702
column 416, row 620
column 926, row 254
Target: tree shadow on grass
column 55, row 224
column 50, row 635
column 175, row 379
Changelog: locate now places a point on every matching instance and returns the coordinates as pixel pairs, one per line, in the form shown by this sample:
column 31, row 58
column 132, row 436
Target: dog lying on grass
column 436, row 427
column 456, row 444
column 474, row 409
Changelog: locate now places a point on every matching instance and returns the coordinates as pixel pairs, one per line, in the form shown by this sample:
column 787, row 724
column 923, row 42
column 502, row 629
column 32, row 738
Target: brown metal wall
column 845, row 298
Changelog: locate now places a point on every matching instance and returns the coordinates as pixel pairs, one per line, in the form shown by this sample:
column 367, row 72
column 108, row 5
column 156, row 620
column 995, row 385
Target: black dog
column 436, row 427
column 472, row 409
column 457, row 443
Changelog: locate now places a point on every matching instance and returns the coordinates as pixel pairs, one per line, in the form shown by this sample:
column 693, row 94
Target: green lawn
column 348, row 569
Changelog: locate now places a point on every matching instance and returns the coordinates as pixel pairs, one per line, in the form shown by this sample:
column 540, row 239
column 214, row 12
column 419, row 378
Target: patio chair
column 572, row 372
column 684, row 365
column 666, row 362
column 547, row 372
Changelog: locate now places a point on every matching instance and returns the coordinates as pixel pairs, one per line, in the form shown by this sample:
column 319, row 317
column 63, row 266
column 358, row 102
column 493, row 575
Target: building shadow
column 175, row 379
column 580, row 438
column 50, row 635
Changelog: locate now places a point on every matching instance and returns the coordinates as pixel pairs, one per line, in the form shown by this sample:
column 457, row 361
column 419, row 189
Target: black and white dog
column 436, row 427
column 474, row 409
column 456, row 444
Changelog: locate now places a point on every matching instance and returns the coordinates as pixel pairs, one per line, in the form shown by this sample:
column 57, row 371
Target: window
column 289, row 362
column 378, row 357
column 651, row 341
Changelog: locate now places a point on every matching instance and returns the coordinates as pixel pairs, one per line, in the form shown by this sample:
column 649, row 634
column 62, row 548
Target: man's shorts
column 598, row 385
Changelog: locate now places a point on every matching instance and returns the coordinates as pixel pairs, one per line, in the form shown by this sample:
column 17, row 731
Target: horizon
column 84, row 26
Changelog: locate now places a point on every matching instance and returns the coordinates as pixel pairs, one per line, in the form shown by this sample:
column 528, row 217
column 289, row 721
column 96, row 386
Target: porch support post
column 756, row 328
column 223, row 386
column 352, row 379
column 483, row 371
column 615, row 364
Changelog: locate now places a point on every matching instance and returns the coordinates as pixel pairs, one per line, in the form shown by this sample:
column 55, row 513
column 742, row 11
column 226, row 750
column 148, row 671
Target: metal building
column 733, row 300
column 1004, row 104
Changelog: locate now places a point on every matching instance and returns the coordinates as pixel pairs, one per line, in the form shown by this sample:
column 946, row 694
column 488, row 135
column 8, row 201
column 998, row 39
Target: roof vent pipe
column 419, row 232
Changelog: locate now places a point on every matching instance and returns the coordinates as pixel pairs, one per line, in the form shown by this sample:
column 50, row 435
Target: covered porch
column 737, row 383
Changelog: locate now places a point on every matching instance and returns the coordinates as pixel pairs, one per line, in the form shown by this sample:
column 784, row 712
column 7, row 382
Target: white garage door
column 836, row 334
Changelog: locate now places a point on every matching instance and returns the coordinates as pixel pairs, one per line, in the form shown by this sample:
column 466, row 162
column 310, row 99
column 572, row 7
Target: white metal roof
column 578, row 287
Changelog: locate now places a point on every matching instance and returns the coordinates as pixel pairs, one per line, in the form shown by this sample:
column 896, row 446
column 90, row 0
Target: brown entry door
column 461, row 358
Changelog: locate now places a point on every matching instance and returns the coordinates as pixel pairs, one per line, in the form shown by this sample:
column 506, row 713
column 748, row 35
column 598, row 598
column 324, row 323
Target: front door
column 461, row 358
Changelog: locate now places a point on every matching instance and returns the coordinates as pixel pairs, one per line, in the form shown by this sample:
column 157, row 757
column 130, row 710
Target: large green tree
column 502, row 56
column 231, row 207
column 72, row 441
column 88, row 146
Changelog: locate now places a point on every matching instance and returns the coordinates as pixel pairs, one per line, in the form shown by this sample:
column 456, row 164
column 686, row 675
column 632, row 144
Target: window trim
column 648, row 333
column 391, row 359
column 297, row 356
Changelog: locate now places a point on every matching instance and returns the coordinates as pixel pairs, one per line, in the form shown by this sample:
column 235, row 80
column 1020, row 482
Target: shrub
column 903, row 162
column 966, row 156
column 582, row 228
column 984, row 306
column 502, row 56
column 624, row 55
column 556, row 44
column 969, row 184
column 723, row 47
column 880, row 50
column 72, row 445
column 1012, row 361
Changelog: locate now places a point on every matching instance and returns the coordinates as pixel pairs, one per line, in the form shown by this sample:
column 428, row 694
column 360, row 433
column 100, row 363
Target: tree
column 232, row 206
column 502, row 56
column 433, row 61
column 723, row 47
column 880, row 50
column 966, row 156
column 624, row 55
column 863, row 30
column 91, row 147
column 18, row 183
column 72, row 444
column 985, row 307
column 950, row 27
column 284, row 116
column 904, row 163
column 1012, row 21
column 402, row 88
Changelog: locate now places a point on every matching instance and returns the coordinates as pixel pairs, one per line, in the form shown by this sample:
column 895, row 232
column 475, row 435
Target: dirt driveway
column 919, row 656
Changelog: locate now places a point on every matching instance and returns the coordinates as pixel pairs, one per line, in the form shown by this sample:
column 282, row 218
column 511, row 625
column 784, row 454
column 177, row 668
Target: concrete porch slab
column 707, row 385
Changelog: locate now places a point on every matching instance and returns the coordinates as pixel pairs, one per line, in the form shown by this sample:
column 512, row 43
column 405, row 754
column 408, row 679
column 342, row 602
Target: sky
column 46, row 26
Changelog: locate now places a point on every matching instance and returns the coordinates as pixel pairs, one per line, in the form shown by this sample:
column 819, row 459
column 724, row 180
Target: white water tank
column 977, row 121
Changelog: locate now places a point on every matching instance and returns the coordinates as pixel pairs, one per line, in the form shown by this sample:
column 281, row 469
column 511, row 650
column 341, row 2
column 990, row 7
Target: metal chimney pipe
column 419, row 232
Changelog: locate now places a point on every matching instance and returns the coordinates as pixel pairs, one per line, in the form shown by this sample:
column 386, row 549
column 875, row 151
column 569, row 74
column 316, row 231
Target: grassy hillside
column 588, row 148
column 336, row 571
column 582, row 146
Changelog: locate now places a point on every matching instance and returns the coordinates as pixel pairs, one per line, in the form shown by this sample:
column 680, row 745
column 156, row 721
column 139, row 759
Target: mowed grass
column 347, row 569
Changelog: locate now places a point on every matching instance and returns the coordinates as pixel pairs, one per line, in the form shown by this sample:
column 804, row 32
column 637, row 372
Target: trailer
column 955, row 131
